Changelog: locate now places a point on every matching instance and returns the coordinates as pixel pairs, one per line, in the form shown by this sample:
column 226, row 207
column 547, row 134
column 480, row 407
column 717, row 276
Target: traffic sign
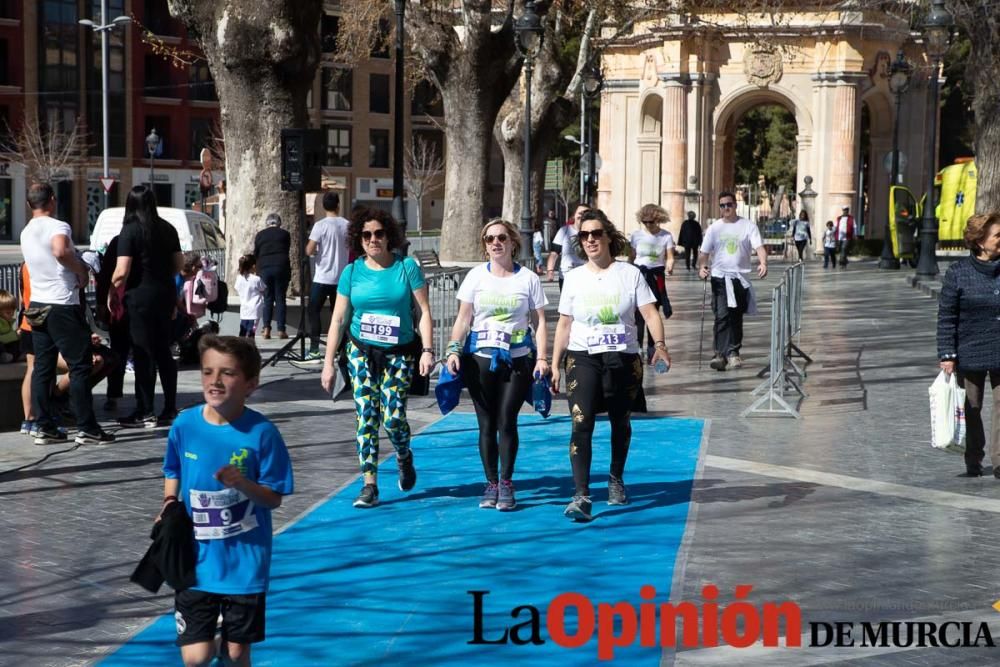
column 107, row 184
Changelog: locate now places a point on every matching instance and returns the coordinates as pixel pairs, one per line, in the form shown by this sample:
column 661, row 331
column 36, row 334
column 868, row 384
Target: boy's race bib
column 607, row 338
column 380, row 328
column 496, row 334
column 217, row 515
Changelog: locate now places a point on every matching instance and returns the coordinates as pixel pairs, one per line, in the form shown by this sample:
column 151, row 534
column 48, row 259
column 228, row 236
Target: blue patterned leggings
column 380, row 402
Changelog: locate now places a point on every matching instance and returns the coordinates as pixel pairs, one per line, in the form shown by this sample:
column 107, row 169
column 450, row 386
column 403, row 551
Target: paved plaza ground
column 847, row 512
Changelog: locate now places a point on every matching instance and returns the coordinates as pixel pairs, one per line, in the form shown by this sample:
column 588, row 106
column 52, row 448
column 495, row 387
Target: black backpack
column 218, row 307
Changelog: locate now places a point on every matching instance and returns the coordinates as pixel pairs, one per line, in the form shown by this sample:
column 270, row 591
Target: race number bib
column 607, row 338
column 496, row 334
column 380, row 328
column 217, row 515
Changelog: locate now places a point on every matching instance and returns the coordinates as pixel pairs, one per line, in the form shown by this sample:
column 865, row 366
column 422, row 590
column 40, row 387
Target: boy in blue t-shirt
column 229, row 464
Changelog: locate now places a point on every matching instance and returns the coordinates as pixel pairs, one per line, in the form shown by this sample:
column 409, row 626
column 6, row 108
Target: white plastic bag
column 947, row 413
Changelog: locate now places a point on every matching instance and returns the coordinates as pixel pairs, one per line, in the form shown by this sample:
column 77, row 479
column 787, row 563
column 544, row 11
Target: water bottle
column 661, row 366
column 540, row 398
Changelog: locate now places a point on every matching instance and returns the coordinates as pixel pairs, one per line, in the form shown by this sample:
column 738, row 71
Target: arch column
column 674, row 153
column 845, row 126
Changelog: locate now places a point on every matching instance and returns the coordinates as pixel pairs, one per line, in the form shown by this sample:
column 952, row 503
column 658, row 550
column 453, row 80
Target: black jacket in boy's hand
column 171, row 556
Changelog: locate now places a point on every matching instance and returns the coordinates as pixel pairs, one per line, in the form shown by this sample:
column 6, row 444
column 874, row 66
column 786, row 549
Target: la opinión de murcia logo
column 707, row 623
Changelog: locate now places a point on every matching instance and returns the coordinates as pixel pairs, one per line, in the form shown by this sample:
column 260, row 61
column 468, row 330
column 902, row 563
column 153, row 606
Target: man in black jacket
column 271, row 248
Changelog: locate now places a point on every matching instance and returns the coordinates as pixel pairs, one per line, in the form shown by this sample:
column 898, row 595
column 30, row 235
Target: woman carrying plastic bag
column 947, row 413
column 968, row 341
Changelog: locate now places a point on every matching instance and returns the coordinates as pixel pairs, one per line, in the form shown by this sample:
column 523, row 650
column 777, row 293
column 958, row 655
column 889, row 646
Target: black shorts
column 197, row 615
column 26, row 346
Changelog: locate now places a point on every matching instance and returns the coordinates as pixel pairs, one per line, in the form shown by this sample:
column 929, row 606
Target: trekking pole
column 701, row 335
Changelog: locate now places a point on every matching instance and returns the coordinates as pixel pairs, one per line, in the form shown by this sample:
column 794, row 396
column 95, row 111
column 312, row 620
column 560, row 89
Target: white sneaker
column 735, row 361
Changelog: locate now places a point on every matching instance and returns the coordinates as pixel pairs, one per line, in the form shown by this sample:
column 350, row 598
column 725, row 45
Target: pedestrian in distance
column 829, row 246
column 651, row 248
column 498, row 344
column 728, row 243
column 801, row 233
column 58, row 325
column 596, row 335
column 328, row 243
column 967, row 341
column 149, row 255
column 229, row 465
column 844, row 228
column 562, row 251
column 271, row 247
column 251, row 290
column 537, row 243
column 374, row 310
column 690, row 240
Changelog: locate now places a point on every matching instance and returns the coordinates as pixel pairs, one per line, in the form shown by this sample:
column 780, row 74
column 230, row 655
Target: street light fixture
column 398, row 210
column 592, row 84
column 103, row 29
column 152, row 143
column 937, row 32
column 528, row 35
column 899, row 80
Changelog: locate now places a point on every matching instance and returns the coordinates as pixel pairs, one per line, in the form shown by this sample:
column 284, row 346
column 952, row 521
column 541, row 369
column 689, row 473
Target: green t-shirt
column 381, row 300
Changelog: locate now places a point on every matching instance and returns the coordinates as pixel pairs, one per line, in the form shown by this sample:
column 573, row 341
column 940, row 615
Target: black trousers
column 974, row 383
column 65, row 332
column 121, row 344
column 498, row 396
column 594, row 384
column 728, row 321
column 150, row 326
column 276, row 282
column 317, row 297
column 690, row 257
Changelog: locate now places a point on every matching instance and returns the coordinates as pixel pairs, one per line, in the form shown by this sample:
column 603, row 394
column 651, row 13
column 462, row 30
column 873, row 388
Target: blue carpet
column 388, row 586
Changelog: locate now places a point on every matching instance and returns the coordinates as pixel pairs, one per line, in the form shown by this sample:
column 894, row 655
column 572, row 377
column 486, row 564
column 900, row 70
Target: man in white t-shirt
column 328, row 243
column 564, row 247
column 844, row 234
column 729, row 241
column 57, row 274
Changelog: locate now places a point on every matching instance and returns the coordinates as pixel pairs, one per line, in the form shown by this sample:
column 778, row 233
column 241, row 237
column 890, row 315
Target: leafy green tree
column 765, row 144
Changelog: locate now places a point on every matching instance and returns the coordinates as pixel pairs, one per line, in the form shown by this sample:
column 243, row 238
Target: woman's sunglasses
column 489, row 238
column 378, row 234
column 596, row 234
column 649, row 222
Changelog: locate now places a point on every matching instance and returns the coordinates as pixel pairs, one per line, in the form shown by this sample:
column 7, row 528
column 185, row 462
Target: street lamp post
column 103, row 29
column 528, row 33
column 592, row 84
column 152, row 143
column 899, row 81
column 398, row 209
column 937, row 31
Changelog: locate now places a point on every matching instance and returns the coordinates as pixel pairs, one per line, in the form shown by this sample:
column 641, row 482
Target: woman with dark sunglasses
column 375, row 296
column 498, row 344
column 651, row 248
column 597, row 335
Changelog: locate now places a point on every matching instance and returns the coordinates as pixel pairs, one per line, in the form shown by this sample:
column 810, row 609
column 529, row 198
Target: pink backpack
column 206, row 284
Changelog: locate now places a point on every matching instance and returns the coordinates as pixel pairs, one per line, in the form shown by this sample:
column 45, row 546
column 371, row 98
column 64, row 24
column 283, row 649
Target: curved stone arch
column 650, row 113
column 744, row 98
column 881, row 114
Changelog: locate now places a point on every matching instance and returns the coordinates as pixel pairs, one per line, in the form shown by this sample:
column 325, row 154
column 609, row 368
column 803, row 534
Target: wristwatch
column 427, row 350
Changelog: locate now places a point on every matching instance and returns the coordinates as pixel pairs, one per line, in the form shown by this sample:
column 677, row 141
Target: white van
column 195, row 230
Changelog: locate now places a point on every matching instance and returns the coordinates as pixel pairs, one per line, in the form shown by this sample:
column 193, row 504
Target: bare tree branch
column 48, row 154
column 423, row 170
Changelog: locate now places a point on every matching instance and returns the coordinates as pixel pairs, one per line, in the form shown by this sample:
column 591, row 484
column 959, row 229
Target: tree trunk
column 263, row 57
column 984, row 106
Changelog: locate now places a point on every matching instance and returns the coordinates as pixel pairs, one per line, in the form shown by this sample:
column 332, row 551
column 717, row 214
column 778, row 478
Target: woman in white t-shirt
column 498, row 344
column 652, row 250
column 597, row 335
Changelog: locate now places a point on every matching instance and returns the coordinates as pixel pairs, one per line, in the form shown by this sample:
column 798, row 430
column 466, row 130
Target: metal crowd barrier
column 783, row 374
column 442, row 290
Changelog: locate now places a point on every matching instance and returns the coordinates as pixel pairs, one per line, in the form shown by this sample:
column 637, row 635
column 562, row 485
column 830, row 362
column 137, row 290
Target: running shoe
column 735, row 361
column 489, row 499
column 718, row 363
column 505, row 497
column 49, row 435
column 579, row 508
column 313, row 356
column 617, row 495
column 136, row 420
column 98, row 437
column 27, row 426
column 368, row 496
column 407, row 473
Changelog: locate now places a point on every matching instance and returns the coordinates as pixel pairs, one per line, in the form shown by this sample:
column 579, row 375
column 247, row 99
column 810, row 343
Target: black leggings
column 150, row 328
column 498, row 397
column 597, row 383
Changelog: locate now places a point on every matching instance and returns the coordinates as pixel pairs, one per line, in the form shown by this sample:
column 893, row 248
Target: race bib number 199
column 607, row 338
column 380, row 328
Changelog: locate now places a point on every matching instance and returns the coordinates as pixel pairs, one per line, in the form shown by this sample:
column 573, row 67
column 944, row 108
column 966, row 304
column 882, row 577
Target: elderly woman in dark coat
column 968, row 335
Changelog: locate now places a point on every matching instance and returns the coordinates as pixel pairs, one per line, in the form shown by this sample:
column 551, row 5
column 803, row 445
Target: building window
column 202, row 83
column 162, row 126
column 4, row 64
column 338, row 89
column 157, row 77
column 378, row 93
column 380, row 48
column 58, row 61
column 426, row 100
column 433, row 140
column 201, row 137
column 328, row 33
column 156, row 17
column 8, row 9
column 338, row 146
column 378, row 148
